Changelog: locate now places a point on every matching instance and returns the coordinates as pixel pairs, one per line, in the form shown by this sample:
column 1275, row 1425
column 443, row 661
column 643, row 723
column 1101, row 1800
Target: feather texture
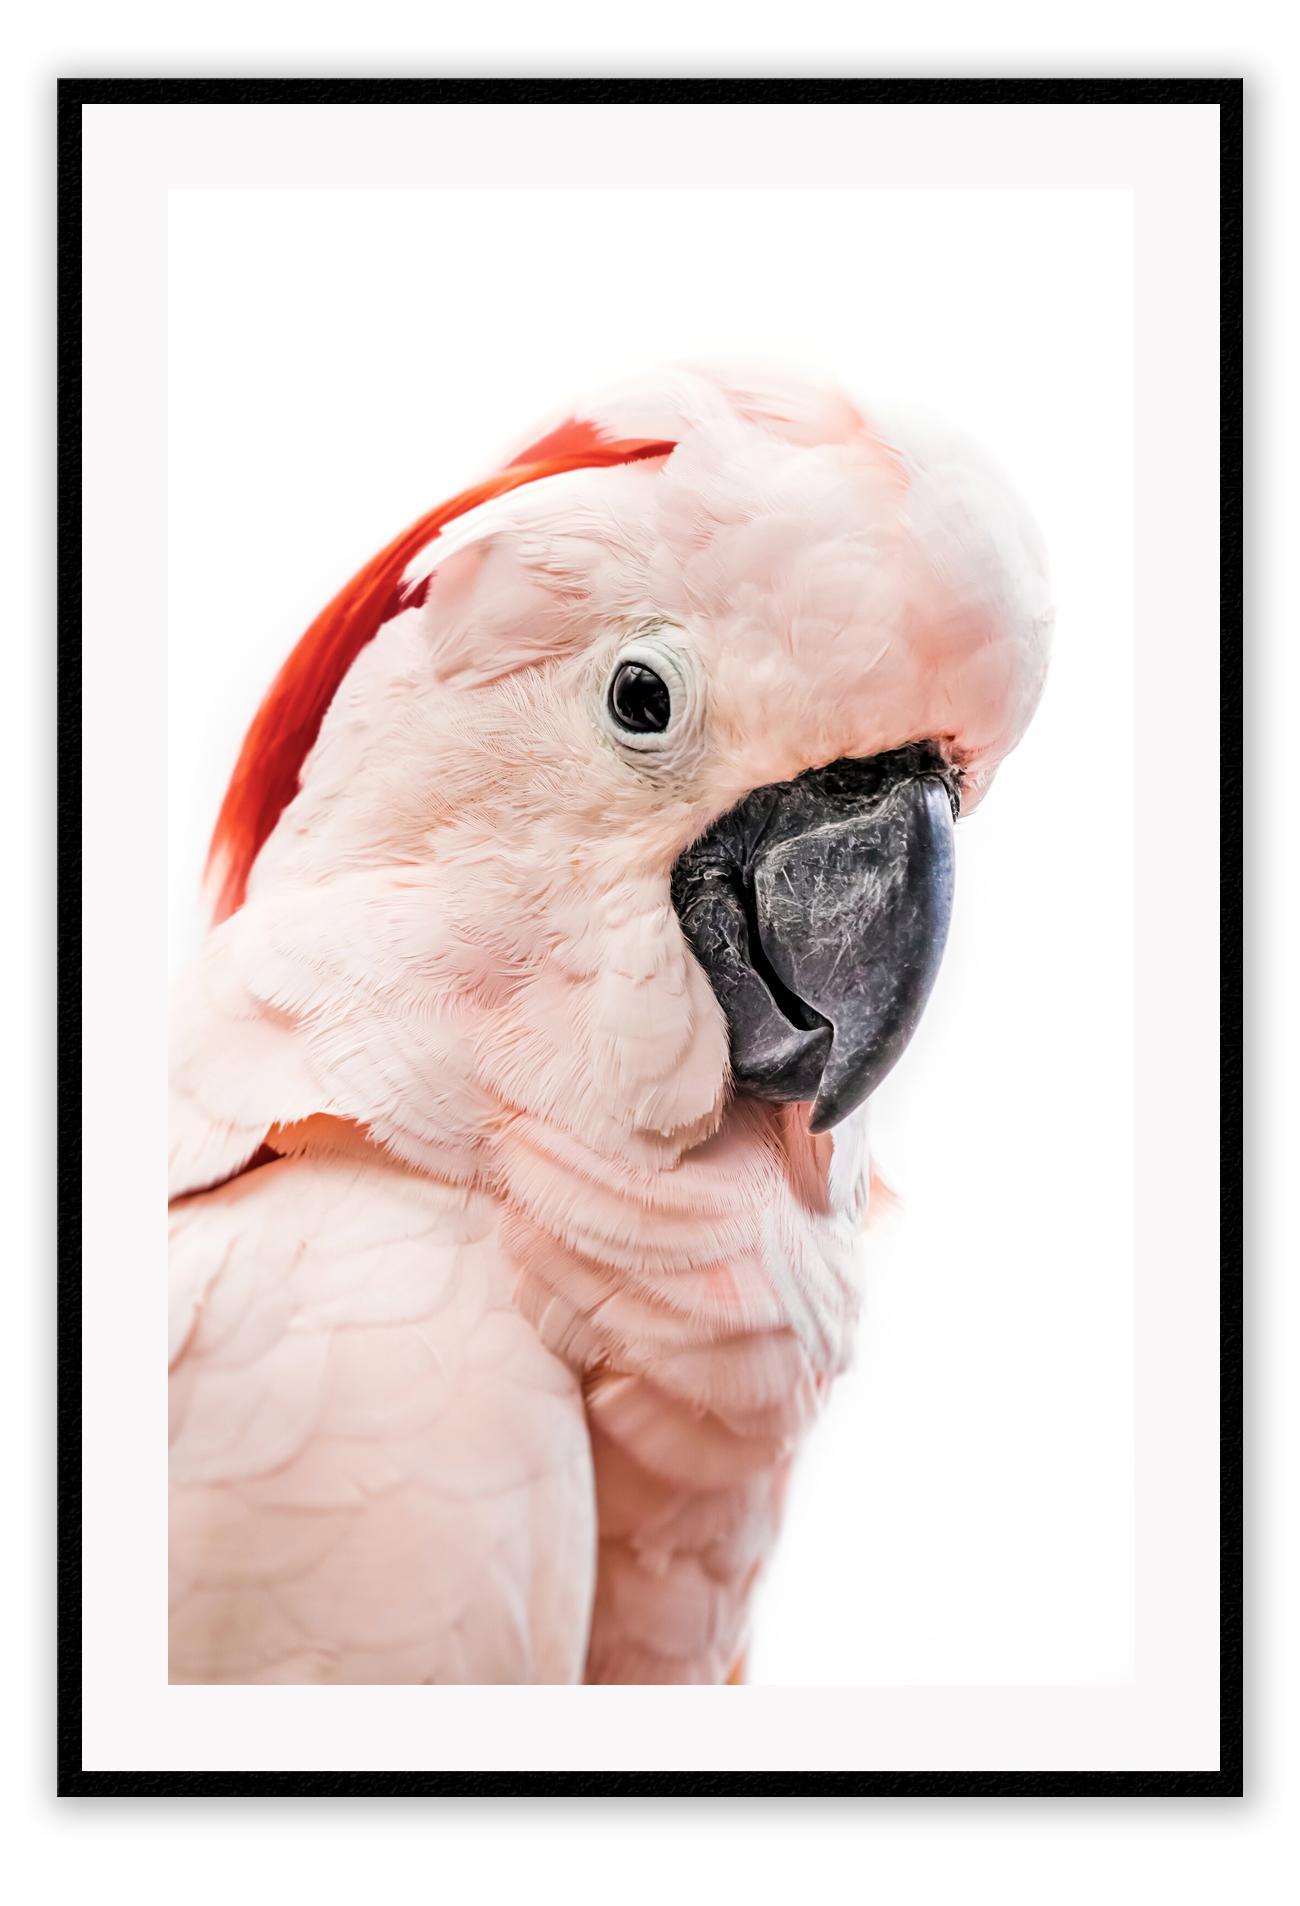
column 377, row 1472
column 497, row 1370
column 266, row 774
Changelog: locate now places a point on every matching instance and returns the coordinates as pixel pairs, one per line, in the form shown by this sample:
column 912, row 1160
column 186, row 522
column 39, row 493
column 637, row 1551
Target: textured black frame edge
column 73, row 94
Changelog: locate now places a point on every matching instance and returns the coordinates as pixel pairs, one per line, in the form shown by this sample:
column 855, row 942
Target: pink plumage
column 285, row 728
column 499, row 1312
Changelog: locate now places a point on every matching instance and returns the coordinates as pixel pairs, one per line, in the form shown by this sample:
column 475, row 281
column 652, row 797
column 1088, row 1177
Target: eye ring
column 652, row 680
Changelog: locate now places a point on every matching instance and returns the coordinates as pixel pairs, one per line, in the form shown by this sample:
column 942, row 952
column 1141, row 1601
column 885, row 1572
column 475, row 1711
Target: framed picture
column 696, row 1262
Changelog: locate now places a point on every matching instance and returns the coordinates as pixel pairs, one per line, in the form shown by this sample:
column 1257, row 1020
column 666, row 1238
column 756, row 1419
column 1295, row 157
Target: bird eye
column 639, row 699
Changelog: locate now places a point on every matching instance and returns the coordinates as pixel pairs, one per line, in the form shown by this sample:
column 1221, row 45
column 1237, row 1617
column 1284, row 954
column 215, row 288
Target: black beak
column 819, row 910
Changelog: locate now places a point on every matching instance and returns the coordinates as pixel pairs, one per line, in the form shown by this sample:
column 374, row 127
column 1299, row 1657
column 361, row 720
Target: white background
column 1069, row 1851
column 339, row 362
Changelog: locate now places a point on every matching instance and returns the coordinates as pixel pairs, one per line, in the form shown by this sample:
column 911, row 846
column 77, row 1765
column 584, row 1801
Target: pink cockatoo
column 585, row 869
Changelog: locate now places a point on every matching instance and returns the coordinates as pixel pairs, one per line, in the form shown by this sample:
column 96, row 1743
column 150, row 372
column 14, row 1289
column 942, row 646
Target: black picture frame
column 74, row 95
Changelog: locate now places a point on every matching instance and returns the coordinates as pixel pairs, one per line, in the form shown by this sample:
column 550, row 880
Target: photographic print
column 651, row 982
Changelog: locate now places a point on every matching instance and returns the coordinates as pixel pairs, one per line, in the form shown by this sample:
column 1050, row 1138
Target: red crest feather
column 285, row 727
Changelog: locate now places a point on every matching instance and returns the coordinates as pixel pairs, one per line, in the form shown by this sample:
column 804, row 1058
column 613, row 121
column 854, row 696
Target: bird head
column 684, row 703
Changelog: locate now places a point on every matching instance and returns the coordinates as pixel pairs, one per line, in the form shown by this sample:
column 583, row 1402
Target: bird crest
column 285, row 727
